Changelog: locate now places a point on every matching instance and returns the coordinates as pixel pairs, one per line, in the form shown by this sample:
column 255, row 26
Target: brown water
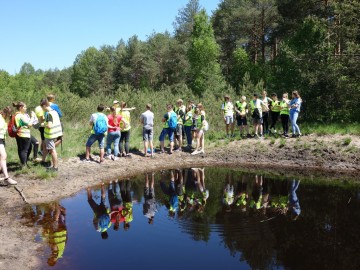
column 267, row 224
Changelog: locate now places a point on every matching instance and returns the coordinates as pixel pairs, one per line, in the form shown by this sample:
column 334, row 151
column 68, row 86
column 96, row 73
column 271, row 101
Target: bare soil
column 330, row 157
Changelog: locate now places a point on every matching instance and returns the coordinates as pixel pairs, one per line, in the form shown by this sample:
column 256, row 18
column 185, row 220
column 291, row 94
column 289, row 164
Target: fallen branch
column 21, row 194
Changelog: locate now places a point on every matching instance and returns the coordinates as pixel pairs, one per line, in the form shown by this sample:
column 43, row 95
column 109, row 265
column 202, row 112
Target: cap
column 115, row 102
column 226, row 96
column 179, row 100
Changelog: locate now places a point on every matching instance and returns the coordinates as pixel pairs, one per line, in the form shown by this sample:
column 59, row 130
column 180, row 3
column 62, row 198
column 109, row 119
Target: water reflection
column 213, row 213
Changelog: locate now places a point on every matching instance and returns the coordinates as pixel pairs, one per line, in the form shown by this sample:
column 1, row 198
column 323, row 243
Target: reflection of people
column 149, row 206
column 294, row 204
column 127, row 211
column 55, row 232
column 101, row 219
column 171, row 192
column 228, row 194
column 201, row 194
column 241, row 196
column 116, row 204
column 256, row 199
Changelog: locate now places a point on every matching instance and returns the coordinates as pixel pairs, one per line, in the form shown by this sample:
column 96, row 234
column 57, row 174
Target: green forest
column 243, row 47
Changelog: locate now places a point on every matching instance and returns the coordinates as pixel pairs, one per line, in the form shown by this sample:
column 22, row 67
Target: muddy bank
column 330, row 157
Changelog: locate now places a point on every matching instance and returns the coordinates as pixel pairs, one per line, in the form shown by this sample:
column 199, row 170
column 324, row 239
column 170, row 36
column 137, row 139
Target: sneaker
column 52, row 169
column 37, row 160
column 109, row 157
column 249, row 136
column 293, row 136
column 115, row 158
column 128, row 156
column 10, row 181
column 201, row 152
column 195, row 152
column 87, row 160
column 178, row 150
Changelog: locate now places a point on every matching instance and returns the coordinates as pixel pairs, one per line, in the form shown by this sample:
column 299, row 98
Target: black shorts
column 2, row 141
column 42, row 129
column 241, row 121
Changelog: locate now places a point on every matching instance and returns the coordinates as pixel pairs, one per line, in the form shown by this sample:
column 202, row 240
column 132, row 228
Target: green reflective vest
column 55, row 130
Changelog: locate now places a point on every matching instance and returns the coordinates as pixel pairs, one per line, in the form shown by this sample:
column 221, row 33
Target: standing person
column 4, row 115
column 180, row 112
column 275, row 112
column 127, row 211
column 99, row 125
column 228, row 194
column 147, row 119
column 284, row 114
column 113, row 135
column 170, row 123
column 241, row 109
column 228, row 111
column 188, row 120
column 55, row 107
column 294, row 106
column 52, row 131
column 125, row 130
column 149, row 206
column 265, row 112
column 23, row 137
column 39, row 112
column 201, row 126
column 256, row 111
column 116, row 204
column 294, row 203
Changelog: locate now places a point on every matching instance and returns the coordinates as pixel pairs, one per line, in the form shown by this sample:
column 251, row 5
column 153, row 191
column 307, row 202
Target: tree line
column 244, row 46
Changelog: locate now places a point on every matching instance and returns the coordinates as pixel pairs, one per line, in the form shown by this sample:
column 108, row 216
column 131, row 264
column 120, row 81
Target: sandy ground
column 311, row 156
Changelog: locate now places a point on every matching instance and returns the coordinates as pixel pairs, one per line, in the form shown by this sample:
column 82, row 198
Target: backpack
column 12, row 129
column 172, row 121
column 100, row 125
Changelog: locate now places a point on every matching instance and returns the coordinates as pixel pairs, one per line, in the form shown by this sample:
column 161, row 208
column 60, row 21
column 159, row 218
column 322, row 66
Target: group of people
column 261, row 109
column 46, row 119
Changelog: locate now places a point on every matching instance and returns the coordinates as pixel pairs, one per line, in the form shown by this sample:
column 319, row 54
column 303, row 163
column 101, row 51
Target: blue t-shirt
column 295, row 101
column 56, row 108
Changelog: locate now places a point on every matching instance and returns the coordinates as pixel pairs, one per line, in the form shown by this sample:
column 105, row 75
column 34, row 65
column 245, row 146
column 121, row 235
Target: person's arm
column 49, row 121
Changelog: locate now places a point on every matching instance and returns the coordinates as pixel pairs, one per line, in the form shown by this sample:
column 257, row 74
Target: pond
column 204, row 218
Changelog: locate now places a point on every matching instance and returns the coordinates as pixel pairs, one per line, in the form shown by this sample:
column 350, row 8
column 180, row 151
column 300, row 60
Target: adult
column 284, row 114
column 55, row 107
column 275, row 112
column 241, row 109
column 294, row 106
column 4, row 115
column 99, row 125
column 265, row 111
column 188, row 121
column 180, row 112
column 113, row 133
column 52, row 131
column 125, row 128
column 256, row 106
column 168, row 129
column 228, row 111
column 149, row 206
column 147, row 120
column 201, row 127
column 23, row 136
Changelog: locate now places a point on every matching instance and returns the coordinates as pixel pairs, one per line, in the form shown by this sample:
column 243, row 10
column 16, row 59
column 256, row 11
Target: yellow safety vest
column 188, row 118
column 59, row 239
column 241, row 106
column 228, row 108
column 177, row 111
column 275, row 106
column 126, row 117
column 23, row 131
column 55, row 130
column 284, row 107
column 2, row 127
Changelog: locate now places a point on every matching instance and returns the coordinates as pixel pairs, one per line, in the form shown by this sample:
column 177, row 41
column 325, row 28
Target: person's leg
column 54, row 157
column 162, row 139
column 101, row 141
column 89, row 143
column 116, row 143
column 232, row 125
column 28, row 150
column 24, row 144
column 295, row 117
column 35, row 144
column 127, row 142
column 171, row 134
column 109, row 140
column 188, row 135
column 3, row 157
column 286, row 121
column 121, row 143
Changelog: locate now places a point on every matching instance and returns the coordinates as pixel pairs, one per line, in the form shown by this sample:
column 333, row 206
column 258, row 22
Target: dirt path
column 332, row 157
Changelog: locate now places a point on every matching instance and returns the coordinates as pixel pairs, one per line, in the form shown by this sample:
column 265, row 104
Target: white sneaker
column 201, row 151
column 195, row 152
column 115, row 158
column 108, row 156
column 10, row 181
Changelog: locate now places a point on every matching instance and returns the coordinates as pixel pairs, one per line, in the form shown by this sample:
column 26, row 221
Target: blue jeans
column 113, row 137
column 169, row 132
column 293, row 118
column 93, row 138
column 188, row 135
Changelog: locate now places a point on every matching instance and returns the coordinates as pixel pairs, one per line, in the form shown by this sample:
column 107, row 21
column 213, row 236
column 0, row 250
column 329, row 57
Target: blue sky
column 51, row 33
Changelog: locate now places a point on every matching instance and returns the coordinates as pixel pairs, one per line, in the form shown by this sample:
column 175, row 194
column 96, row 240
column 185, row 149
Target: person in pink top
column 114, row 134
